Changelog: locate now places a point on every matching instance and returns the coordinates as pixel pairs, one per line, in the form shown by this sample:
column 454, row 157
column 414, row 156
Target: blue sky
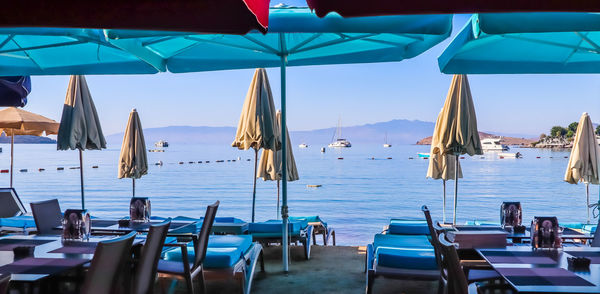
column 318, row 95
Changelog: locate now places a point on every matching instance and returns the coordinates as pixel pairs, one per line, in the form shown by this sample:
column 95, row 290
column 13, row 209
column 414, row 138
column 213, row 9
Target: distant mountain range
column 28, row 140
column 398, row 131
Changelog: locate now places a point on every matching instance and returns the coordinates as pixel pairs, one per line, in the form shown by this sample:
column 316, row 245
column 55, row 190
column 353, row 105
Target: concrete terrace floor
column 338, row 269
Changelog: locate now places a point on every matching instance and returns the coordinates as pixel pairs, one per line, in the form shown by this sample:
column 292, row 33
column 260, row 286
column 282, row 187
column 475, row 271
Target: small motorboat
column 510, row 155
column 322, row 149
column 303, row 145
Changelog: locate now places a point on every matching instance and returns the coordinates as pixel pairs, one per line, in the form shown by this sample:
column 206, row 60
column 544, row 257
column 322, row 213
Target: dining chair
column 110, row 258
column 456, row 280
column 475, row 270
column 146, row 268
column 4, row 283
column 596, row 241
column 183, row 269
column 47, row 215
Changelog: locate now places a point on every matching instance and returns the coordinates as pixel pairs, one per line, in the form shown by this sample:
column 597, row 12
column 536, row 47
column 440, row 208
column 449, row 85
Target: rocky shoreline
column 523, row 142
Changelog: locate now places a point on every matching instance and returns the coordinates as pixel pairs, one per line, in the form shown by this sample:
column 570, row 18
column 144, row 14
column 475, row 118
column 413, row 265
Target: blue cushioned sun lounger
column 12, row 213
column 270, row 232
column 319, row 228
column 221, row 225
column 407, row 227
column 227, row 257
column 402, row 251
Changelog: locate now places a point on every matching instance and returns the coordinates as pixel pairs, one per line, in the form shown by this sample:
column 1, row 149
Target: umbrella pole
column 277, row 214
column 444, row 202
column 254, row 186
column 455, row 189
column 133, row 181
column 284, row 206
column 587, row 193
column 12, row 150
column 81, row 175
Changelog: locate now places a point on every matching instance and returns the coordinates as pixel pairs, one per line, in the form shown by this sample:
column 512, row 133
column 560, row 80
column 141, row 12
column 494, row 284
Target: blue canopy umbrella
column 523, row 43
column 295, row 37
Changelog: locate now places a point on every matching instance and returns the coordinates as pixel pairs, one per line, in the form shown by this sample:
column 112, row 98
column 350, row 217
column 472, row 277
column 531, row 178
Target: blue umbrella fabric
column 525, row 43
column 14, row 90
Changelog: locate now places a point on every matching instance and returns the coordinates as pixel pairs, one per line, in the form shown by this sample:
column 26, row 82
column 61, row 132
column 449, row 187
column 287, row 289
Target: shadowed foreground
column 338, row 269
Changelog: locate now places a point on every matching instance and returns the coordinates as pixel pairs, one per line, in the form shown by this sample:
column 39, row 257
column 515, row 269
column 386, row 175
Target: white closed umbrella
column 133, row 160
column 269, row 167
column 257, row 128
column 79, row 126
column 442, row 166
column 457, row 127
column 583, row 161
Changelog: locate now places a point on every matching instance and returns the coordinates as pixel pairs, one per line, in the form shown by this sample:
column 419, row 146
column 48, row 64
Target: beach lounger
column 270, row 232
column 228, row 257
column 319, row 228
column 407, row 227
column 12, row 213
column 222, row 225
column 401, row 257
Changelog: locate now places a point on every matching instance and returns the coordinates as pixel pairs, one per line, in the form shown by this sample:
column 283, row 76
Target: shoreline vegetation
column 560, row 138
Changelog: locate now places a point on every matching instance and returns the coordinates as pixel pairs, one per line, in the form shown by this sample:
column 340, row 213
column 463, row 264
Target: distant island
column 505, row 140
column 26, row 139
column 397, row 131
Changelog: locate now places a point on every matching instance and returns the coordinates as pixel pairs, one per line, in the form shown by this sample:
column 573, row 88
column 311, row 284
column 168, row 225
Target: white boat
column 161, row 143
column 339, row 141
column 303, row 145
column 386, row 144
column 510, row 155
column 493, row 144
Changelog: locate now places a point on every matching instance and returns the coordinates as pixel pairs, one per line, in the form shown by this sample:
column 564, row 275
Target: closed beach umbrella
column 133, row 161
column 457, row 127
column 15, row 121
column 256, row 128
column 583, row 162
column 441, row 166
column 269, row 167
column 79, row 126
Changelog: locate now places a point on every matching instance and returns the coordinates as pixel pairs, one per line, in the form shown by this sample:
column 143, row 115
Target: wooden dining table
column 530, row 270
column 51, row 256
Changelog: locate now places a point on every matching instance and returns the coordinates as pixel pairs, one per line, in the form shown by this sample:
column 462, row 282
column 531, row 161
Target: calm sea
column 358, row 194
